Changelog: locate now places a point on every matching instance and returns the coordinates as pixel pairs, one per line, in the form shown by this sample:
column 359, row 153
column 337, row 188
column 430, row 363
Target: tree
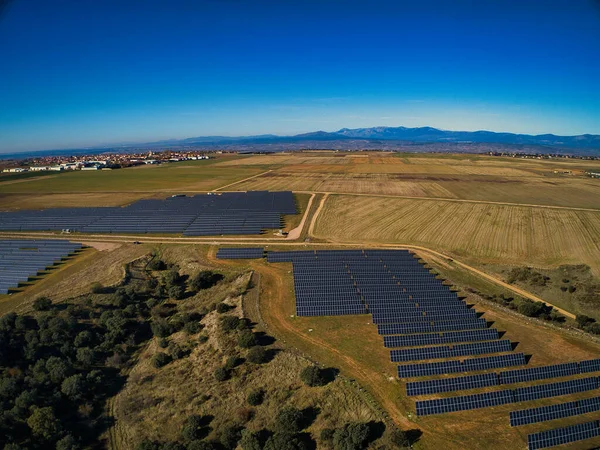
column 161, row 359
column 256, row 397
column 85, row 356
column 195, row 428
column 289, row 420
column 97, row 288
column 176, row 291
column 251, row 440
column 192, row 327
column 83, row 339
column 313, row 376
column 232, row 362
column 286, row 441
column 399, row 438
column 530, row 309
column 73, row 387
column 161, row 328
column 204, row 280
column 172, row 278
column 221, row 374
column 229, row 323
column 583, row 320
column 44, row 424
column 222, row 308
column 352, row 436
column 327, row 434
column 68, row 443
column 257, row 355
column 57, row 369
column 230, row 436
column 42, row 304
column 246, row 339
column 156, row 264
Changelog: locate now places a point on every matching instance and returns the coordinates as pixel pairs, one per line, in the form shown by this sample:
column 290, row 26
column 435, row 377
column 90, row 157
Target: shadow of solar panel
column 449, row 351
column 558, row 436
column 553, row 412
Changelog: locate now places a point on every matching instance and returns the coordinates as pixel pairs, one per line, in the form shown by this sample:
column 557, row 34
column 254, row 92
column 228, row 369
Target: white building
column 14, row 170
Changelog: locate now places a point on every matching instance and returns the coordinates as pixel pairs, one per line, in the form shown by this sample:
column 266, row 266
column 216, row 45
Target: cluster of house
column 80, row 165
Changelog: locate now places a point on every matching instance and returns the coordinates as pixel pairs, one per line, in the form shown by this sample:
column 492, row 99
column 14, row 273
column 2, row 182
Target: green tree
column 230, row 436
column 204, row 280
column 251, row 440
column 257, row 355
column 85, row 356
column 83, row 339
column 161, row 359
column 73, row 387
column 313, row 376
column 176, row 291
column 247, row 339
column 229, row 323
column 68, row 443
column 161, row 328
column 222, row 308
column 286, row 441
column 352, row 436
column 44, row 424
column 42, row 304
column 57, row 369
column 256, row 397
column 221, row 374
column 289, row 420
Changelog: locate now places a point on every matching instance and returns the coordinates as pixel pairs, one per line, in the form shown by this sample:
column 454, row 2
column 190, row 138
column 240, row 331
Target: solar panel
column 240, row 253
column 451, row 384
column 539, row 373
column 487, row 334
column 558, row 436
column 449, row 351
column 553, row 412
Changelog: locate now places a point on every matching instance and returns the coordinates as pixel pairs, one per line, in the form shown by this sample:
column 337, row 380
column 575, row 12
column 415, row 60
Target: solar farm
column 21, row 260
column 431, row 332
column 233, row 213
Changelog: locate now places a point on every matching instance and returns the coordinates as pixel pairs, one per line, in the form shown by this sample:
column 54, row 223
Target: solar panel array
column 456, row 366
column 24, row 258
column 450, row 351
column 412, row 340
column 240, row 253
column 553, row 412
column 495, row 398
column 558, row 436
column 505, row 377
column 201, row 215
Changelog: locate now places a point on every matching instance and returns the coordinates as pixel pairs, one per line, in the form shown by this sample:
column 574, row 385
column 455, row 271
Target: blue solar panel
column 558, row 436
column 553, row 412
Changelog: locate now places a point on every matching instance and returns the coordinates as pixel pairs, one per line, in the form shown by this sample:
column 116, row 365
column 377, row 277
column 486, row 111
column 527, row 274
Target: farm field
column 485, row 232
column 188, row 176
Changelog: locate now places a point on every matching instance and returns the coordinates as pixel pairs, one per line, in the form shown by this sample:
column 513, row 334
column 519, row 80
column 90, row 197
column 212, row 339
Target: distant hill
column 421, row 139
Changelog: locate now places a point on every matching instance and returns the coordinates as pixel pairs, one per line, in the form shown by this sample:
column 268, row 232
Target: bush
column 176, row 291
column 286, row 441
column 172, row 278
column 221, row 374
column 399, row 438
column 229, row 323
column 257, row 355
column 160, row 359
column 256, row 397
column 593, row 328
column 204, row 280
column 289, row 420
column 230, row 437
column 202, row 339
column 251, row 440
column 313, row 376
column 572, row 289
column 583, row 320
column 531, row 309
column 161, row 328
column 222, row 308
column 42, row 304
column 246, row 339
column 97, row 288
column 157, row 264
column 192, row 327
column 163, row 343
column 243, row 324
column 327, row 434
column 352, row 436
column 195, row 428
column 232, row 362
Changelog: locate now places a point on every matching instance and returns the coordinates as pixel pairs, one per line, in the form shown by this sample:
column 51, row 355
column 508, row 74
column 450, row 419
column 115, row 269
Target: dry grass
column 489, row 233
column 40, row 201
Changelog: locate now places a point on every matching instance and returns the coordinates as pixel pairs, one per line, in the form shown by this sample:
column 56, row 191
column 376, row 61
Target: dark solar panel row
column 456, row 366
column 431, row 327
column 23, row 259
column 240, row 253
column 484, row 400
column 505, row 377
column 553, row 412
column 488, row 334
column 450, row 351
column 558, row 436
column 207, row 214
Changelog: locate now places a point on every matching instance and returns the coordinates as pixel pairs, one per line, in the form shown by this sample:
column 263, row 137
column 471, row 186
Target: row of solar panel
column 450, row 351
column 495, row 398
column 558, row 436
column 553, row 412
column 240, row 253
column 488, row 334
column 432, row 326
column 496, row 379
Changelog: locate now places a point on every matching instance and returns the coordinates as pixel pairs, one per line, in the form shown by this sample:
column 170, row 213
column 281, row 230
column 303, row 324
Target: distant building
column 14, row 170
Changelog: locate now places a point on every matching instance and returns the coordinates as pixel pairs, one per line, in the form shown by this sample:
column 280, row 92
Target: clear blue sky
column 87, row 72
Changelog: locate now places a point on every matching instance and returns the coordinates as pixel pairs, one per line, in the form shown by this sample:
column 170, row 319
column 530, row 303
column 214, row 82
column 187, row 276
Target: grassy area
column 485, row 232
column 188, row 176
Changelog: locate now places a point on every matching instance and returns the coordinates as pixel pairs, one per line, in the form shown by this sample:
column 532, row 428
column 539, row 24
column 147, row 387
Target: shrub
column 221, row 374
column 251, row 440
column 160, row 359
column 289, row 420
column 594, row 328
column 176, row 291
column 530, row 309
column 229, row 323
column 399, row 438
column 583, row 320
column 222, row 308
column 202, row 339
column 256, row 397
column 68, row 443
column 572, row 289
column 172, row 278
column 232, row 362
column 161, row 328
column 42, row 304
column 257, row 355
column 192, row 327
column 157, row 264
column 243, row 324
column 313, row 376
column 286, row 441
column 97, row 288
column 246, row 339
column 163, row 343
column 327, row 434
column 352, row 436
column 230, row 437
column 204, row 280
column 195, row 428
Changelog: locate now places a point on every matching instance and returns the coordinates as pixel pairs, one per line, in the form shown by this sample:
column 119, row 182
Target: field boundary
column 240, row 181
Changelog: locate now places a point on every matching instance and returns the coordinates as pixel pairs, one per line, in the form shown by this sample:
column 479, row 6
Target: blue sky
column 86, row 72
